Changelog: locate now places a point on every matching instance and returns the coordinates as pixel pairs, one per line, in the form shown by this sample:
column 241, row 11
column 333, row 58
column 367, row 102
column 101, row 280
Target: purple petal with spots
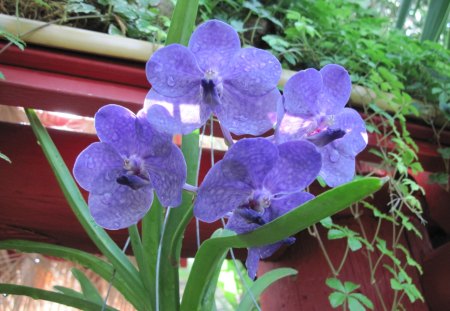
column 301, row 92
column 239, row 224
column 243, row 114
column 286, row 203
column 219, row 195
column 214, row 43
column 337, row 168
column 173, row 71
column 97, row 167
column 257, row 253
column 252, row 262
column 268, row 250
column 253, row 72
column 174, row 115
column 150, row 141
column 355, row 139
column 293, row 128
column 256, row 156
column 121, row 207
column 336, row 90
column 116, row 125
column 168, row 175
column 298, row 165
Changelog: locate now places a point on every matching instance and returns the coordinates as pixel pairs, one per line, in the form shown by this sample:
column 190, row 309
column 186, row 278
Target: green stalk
column 437, row 14
column 182, row 25
column 402, row 13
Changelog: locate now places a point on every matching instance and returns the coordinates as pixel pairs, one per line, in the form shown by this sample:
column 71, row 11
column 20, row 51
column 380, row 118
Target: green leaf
column 261, row 284
column 363, row 299
column 435, row 19
column 355, row 305
column 396, row 285
column 69, row 292
column 13, row 39
column 183, row 21
column 101, row 267
column 350, row 287
column 335, row 284
column 79, row 6
column 2, row 76
column 334, row 234
column 354, row 243
column 336, row 299
column 90, row 292
column 182, row 24
column 327, row 222
column 324, row 205
column 60, row 298
column 440, row 178
column 445, row 152
column 76, row 201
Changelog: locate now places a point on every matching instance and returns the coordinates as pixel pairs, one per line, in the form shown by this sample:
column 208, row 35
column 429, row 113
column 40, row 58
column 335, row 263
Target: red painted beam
column 63, row 93
column 76, row 64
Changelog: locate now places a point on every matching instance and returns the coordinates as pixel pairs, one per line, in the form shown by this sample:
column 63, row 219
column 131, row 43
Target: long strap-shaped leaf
column 36, row 293
column 324, row 205
column 76, row 201
column 101, row 267
column 260, row 285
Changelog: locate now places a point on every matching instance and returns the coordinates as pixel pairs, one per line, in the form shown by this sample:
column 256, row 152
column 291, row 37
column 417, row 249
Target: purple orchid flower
column 212, row 75
column 314, row 110
column 256, row 182
column 121, row 171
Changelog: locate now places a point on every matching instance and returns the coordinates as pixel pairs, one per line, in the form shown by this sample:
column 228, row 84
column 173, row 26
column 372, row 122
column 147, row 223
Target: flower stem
column 190, row 188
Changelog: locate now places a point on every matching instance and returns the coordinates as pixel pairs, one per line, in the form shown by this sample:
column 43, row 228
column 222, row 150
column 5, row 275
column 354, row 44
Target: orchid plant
column 259, row 187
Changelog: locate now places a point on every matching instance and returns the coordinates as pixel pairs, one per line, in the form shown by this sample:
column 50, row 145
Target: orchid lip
column 325, row 137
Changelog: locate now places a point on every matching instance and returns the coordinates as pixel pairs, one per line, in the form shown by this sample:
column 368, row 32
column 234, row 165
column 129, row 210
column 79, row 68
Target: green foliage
column 261, row 284
column 69, row 299
column 344, row 294
column 140, row 19
column 13, row 39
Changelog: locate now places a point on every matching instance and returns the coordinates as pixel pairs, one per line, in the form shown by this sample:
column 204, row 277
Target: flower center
column 253, row 210
column 212, row 88
column 321, row 135
column 135, row 175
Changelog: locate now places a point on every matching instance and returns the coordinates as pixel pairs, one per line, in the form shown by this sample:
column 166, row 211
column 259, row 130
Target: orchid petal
column 301, row 92
column 115, row 125
column 150, row 142
column 253, row 72
column 176, row 115
column 219, row 195
column 252, row 262
column 297, row 167
column 168, row 175
column 243, row 114
column 121, row 207
column 214, row 43
column 173, row 71
column 337, row 168
column 250, row 160
column 286, row 203
column 97, row 167
column 293, row 128
column 355, row 139
column 336, row 90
